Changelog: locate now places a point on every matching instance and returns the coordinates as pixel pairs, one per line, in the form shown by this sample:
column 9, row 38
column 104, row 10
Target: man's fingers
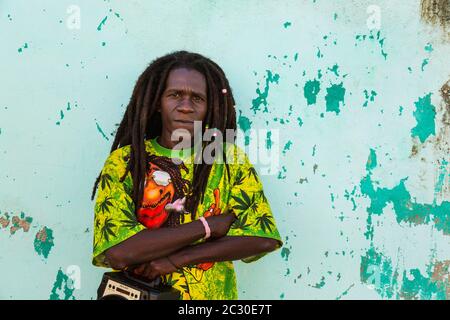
column 138, row 269
column 148, row 270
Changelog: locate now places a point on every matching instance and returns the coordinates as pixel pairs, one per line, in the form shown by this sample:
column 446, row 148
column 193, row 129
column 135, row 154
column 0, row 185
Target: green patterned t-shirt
column 168, row 181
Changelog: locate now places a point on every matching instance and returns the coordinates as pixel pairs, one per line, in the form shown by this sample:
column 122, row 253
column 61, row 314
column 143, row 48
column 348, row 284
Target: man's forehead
column 186, row 80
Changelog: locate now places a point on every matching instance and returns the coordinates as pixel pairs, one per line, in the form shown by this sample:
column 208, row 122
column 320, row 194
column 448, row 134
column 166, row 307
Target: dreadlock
column 142, row 121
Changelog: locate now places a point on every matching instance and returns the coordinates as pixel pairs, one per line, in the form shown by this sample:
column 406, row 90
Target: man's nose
column 185, row 105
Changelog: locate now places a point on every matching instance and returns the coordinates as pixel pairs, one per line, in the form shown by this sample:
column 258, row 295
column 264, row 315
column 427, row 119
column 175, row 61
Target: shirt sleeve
column 249, row 203
column 114, row 218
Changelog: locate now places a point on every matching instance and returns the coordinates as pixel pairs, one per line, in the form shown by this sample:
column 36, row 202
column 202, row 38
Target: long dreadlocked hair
column 180, row 185
column 142, row 121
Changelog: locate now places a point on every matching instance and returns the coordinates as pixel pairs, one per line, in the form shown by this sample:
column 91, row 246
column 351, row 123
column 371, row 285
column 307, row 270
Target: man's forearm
column 228, row 248
column 149, row 245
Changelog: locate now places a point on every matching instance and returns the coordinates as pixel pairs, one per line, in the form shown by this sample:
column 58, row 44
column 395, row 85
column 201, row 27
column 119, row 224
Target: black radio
column 125, row 286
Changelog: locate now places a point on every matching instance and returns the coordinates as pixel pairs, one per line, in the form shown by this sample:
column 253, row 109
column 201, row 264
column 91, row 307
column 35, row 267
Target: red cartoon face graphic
column 158, row 192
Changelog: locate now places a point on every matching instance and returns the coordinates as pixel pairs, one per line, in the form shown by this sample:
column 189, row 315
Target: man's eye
column 197, row 98
column 175, row 95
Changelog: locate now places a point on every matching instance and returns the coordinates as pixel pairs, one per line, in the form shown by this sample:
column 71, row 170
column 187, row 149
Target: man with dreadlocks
column 182, row 221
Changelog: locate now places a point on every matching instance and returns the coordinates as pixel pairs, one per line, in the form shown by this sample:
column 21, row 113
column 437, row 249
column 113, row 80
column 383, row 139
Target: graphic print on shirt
column 164, row 193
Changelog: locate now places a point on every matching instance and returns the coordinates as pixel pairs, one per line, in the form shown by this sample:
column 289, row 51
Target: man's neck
column 166, row 142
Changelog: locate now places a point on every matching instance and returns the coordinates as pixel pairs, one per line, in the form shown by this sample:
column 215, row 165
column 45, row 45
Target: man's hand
column 220, row 224
column 155, row 268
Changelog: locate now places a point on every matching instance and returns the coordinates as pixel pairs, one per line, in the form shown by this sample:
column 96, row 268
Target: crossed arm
column 152, row 253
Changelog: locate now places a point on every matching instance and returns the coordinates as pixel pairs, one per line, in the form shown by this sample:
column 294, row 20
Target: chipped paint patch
column 62, row 288
column 345, row 292
column 61, row 112
column 16, row 222
column 261, row 99
column 335, row 96
column 335, row 70
column 372, row 160
column 443, row 175
column 424, row 63
column 351, row 196
column 315, row 168
column 406, row 209
column 310, row 91
column 374, row 38
column 281, row 120
column 425, row 113
column 378, row 271
column 429, row 48
column 102, row 24
column 21, row 49
column 269, row 140
column 287, row 147
column 285, row 252
column 118, row 16
column 319, row 54
column 281, row 173
column 20, row 222
column 319, row 284
column 245, row 125
column 368, row 97
column 44, row 242
column 5, row 220
column 99, row 129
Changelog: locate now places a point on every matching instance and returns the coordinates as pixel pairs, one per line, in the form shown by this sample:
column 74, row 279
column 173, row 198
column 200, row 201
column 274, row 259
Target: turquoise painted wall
column 361, row 195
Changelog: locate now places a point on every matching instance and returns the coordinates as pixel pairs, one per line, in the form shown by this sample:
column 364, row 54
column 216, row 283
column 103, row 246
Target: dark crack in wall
column 442, row 145
column 443, row 136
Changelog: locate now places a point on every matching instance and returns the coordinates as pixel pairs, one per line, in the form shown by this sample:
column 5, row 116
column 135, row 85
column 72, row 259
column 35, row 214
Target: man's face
column 184, row 100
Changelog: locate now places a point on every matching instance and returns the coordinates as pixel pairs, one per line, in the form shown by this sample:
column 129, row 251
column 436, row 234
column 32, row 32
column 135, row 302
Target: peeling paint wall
column 355, row 98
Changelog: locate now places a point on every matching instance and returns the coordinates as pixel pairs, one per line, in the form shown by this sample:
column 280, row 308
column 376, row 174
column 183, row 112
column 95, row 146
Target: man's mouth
column 185, row 121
